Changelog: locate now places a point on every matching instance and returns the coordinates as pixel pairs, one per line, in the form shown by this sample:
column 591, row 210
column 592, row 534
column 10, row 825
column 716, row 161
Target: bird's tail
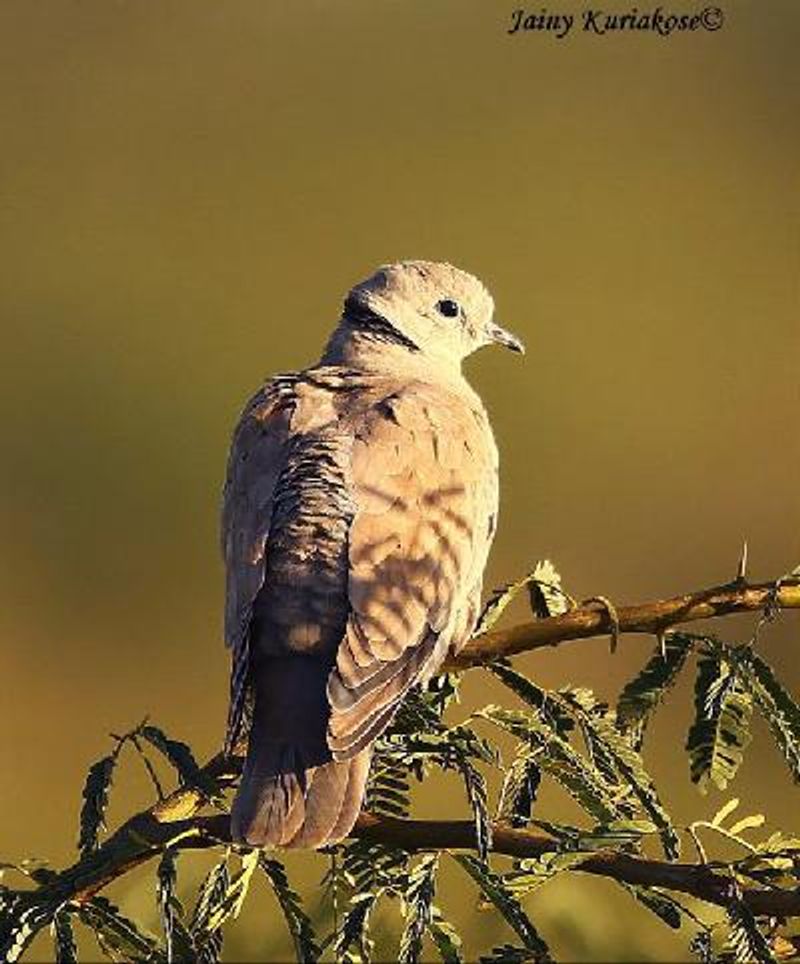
column 288, row 797
column 293, row 793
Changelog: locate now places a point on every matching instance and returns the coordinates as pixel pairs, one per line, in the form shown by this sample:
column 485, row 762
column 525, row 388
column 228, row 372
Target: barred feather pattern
column 360, row 505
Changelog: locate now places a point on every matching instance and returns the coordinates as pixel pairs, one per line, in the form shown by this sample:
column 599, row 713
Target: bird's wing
column 424, row 479
column 257, row 456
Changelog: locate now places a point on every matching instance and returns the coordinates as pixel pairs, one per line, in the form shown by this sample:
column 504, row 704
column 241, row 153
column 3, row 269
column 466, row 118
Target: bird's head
column 428, row 309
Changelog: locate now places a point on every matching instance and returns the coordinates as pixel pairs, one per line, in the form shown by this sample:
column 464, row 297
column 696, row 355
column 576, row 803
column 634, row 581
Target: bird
column 359, row 506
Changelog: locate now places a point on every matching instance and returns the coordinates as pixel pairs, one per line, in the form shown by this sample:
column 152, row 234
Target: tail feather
column 284, row 802
column 353, row 799
column 292, row 792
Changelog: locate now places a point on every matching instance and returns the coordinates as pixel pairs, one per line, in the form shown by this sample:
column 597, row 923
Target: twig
column 652, row 617
column 144, row 838
column 174, row 821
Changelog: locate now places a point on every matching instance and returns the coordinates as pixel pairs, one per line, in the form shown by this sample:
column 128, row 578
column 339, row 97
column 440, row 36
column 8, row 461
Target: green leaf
column 556, row 756
column 645, row 691
column 721, row 729
column 546, row 595
column 589, row 783
column 510, row 954
column 306, row 949
column 497, row 604
column 234, row 897
column 418, row 908
column 745, row 940
column 182, row 759
column 387, row 789
column 445, row 937
column 95, row 802
column 626, row 759
column 118, row 936
column 544, row 702
column 700, row 946
column 776, row 706
column 668, row 910
column 748, row 823
column 547, row 598
column 212, row 893
column 21, row 919
column 475, row 786
column 355, row 929
column 495, row 890
column 176, row 937
column 371, row 866
column 530, row 874
column 66, row 950
column 724, row 811
column 519, row 789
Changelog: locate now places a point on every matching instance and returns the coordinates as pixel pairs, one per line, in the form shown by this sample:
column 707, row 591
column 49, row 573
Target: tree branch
column 146, row 836
column 174, row 822
column 699, row 880
column 652, row 617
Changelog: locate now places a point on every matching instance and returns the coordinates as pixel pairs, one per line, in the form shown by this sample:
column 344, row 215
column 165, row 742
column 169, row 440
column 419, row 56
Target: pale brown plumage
column 360, row 505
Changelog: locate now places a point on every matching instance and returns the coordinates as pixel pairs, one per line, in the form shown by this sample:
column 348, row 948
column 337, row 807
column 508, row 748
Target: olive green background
column 187, row 189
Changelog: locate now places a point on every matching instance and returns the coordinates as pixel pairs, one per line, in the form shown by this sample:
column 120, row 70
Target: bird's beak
column 500, row 336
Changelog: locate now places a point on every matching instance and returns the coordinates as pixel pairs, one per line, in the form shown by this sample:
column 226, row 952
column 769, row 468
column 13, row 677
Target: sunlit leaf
column 530, row 874
column 519, row 788
column 176, row 937
column 646, row 690
column 476, row 794
column 724, row 811
column 118, row 936
column 418, row 908
column 558, row 758
column 234, row 897
column 626, row 760
column 546, row 595
column 306, row 949
column 721, row 728
column 65, row 947
column 748, row 823
column 494, row 890
column 776, row 706
column 352, row 943
column 445, row 937
column 212, row 893
column 745, row 939
column 182, row 759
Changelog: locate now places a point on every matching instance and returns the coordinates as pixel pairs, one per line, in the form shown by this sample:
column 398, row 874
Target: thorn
column 613, row 618
column 661, row 636
column 741, row 572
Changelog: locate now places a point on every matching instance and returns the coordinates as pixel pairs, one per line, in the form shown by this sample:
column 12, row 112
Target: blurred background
column 187, row 190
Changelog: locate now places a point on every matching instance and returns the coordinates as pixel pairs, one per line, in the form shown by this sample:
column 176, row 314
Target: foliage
column 567, row 736
column 721, row 730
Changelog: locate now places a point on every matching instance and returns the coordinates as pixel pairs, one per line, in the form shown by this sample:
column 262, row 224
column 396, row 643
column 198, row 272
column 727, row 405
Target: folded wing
column 424, row 479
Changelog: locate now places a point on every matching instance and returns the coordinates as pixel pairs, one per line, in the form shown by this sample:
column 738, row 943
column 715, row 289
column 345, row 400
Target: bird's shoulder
column 341, row 398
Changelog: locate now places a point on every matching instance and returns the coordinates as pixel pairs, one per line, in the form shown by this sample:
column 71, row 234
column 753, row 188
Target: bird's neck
column 365, row 341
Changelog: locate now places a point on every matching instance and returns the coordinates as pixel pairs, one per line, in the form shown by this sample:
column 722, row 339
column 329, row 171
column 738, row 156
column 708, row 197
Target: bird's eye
column 448, row 308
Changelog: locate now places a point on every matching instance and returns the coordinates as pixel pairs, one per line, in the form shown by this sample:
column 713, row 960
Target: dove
column 359, row 507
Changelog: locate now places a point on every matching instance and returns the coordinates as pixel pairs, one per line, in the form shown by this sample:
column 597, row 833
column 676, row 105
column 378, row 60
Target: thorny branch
column 653, row 618
column 175, row 821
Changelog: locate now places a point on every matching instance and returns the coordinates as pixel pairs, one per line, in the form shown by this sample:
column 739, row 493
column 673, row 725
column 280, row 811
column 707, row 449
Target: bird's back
column 360, row 506
column 359, row 510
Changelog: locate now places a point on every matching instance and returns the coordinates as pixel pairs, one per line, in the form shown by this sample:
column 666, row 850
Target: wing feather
column 424, row 478
column 257, row 457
